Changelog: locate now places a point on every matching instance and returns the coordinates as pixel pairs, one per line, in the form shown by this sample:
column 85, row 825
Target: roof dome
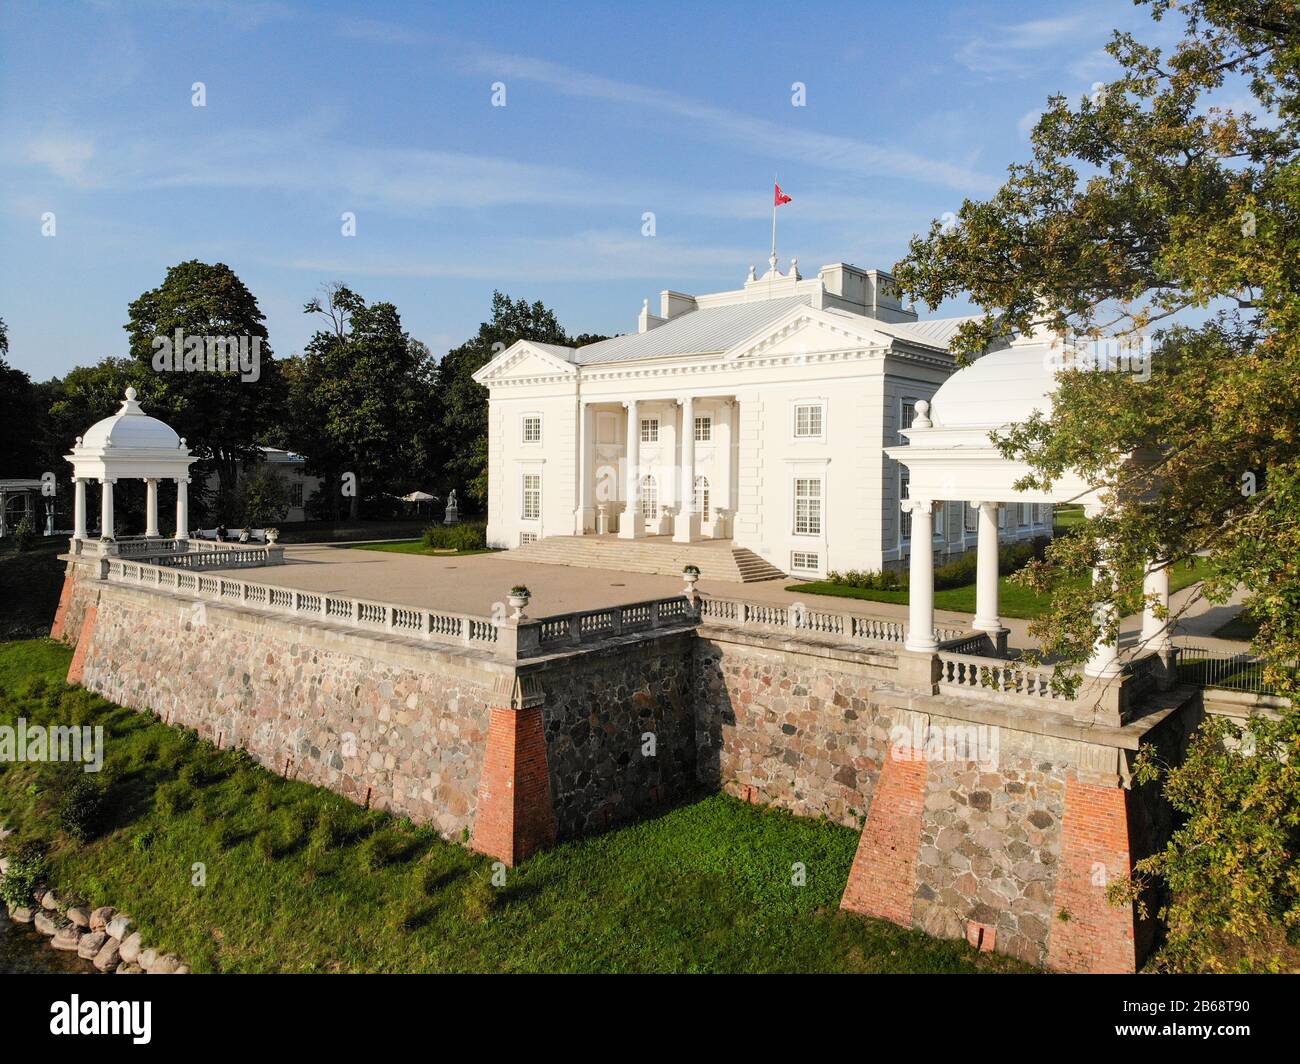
column 131, row 428
column 1002, row 388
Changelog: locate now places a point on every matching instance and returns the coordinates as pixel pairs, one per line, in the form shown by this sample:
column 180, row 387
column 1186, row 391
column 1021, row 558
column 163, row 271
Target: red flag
column 781, row 197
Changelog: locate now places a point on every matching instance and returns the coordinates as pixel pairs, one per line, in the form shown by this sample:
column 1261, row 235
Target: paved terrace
column 472, row 584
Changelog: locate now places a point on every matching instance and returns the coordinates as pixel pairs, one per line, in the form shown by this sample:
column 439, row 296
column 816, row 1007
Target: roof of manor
column 710, row 330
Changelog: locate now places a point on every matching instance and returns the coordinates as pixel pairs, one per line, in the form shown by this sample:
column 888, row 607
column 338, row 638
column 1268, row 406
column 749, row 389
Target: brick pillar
column 515, row 816
column 882, row 881
column 78, row 666
column 1102, row 835
column 65, row 601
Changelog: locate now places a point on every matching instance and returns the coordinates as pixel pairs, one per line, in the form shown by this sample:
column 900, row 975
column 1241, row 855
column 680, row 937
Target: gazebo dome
column 1002, row 388
column 131, row 428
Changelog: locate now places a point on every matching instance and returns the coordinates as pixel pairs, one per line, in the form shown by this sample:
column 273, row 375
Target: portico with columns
column 755, row 417
column 130, row 445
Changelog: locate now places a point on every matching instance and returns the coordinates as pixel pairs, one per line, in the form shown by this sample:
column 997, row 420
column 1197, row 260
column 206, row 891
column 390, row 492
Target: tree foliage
column 223, row 416
column 1149, row 207
column 461, row 401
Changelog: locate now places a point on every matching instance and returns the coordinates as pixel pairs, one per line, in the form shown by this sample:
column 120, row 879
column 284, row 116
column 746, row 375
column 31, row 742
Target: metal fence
column 1212, row 667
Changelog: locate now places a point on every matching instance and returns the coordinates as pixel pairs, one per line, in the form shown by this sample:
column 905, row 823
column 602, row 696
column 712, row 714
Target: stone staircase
column 658, row 555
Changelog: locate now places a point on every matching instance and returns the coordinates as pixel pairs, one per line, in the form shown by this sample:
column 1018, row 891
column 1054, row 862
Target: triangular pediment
column 523, row 360
column 807, row 330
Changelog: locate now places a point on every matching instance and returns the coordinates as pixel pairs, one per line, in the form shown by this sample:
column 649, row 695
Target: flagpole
column 772, row 260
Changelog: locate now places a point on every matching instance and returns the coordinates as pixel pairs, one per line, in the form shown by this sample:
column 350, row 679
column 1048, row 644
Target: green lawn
column 30, row 582
column 416, row 546
column 1013, row 599
column 298, row 879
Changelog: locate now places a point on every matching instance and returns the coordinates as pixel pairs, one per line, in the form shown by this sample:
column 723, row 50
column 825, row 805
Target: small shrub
column 83, row 808
column 384, row 848
column 456, row 537
column 26, row 869
column 24, row 534
column 143, row 840
column 480, row 898
column 172, row 799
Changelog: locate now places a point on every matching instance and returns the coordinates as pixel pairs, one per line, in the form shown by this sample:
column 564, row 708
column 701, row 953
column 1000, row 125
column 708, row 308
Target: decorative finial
column 131, row 393
column 771, row 260
column 753, row 274
column 182, row 443
column 78, row 441
column 922, row 419
column 794, row 268
column 645, row 303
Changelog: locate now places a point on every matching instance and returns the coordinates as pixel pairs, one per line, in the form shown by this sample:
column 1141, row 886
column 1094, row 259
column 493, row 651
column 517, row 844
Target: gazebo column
column 920, row 588
column 1105, row 663
column 632, row 526
column 106, row 507
column 182, row 508
column 987, row 614
column 79, row 508
column 151, row 506
column 1155, row 594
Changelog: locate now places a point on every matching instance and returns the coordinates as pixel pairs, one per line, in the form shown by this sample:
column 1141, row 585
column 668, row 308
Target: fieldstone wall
column 401, row 729
column 991, row 845
column 790, row 727
column 620, row 731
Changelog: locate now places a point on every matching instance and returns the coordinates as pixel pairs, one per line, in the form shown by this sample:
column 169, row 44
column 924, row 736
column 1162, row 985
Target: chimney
column 647, row 321
column 671, row 304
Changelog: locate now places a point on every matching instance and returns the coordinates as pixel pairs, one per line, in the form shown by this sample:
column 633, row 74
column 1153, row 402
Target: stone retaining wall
column 1011, row 847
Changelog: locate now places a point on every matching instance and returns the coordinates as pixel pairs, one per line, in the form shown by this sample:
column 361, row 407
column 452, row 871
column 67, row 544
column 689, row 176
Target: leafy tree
column 1148, row 208
column 461, row 401
column 19, row 416
column 360, row 396
column 222, row 416
column 262, row 498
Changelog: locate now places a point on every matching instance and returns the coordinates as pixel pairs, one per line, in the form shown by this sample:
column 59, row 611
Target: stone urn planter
column 518, row 599
column 691, row 574
column 272, row 534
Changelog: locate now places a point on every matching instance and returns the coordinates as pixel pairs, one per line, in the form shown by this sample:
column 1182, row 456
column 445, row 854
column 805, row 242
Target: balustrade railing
column 828, row 624
column 967, row 674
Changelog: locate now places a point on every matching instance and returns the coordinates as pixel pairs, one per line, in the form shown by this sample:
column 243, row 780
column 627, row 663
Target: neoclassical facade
column 759, row 415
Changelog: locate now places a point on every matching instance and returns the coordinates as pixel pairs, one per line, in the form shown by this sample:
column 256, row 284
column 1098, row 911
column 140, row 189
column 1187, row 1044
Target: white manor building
column 759, row 415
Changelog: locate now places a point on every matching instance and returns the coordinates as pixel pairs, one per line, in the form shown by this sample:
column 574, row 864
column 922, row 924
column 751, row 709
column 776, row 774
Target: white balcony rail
column 838, row 627
column 968, row 675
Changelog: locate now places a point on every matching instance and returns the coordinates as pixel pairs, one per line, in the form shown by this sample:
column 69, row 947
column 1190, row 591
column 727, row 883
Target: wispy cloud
column 758, row 136
column 1024, row 48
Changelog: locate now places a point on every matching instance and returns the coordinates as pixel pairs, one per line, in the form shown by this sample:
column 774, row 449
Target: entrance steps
column 716, row 560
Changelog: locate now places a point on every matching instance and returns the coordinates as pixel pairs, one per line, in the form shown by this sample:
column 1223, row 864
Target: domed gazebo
column 950, row 456
column 131, row 445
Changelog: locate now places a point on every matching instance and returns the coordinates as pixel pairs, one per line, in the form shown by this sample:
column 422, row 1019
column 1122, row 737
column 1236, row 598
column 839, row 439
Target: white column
column 584, row 514
column 986, row 569
column 632, row 526
column 182, row 508
column 1104, row 662
column 151, row 506
column 79, row 508
column 920, row 587
column 1155, row 630
column 686, row 525
column 106, row 508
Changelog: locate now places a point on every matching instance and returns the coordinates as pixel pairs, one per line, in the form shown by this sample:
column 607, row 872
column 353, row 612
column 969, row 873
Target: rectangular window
column 971, row 521
column 1022, row 514
column 650, row 430
column 807, row 506
column 295, row 493
column 532, row 508
column 805, row 561
column 808, row 421
column 532, row 428
column 527, row 537
column 907, row 415
column 905, row 518
column 703, row 429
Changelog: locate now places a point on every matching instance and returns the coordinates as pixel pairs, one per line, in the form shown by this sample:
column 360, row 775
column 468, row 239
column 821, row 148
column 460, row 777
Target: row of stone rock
column 102, row 936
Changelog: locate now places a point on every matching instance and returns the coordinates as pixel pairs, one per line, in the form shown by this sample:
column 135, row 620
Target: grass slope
column 298, row 879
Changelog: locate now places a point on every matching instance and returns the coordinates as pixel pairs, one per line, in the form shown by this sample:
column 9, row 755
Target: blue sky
column 384, row 110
